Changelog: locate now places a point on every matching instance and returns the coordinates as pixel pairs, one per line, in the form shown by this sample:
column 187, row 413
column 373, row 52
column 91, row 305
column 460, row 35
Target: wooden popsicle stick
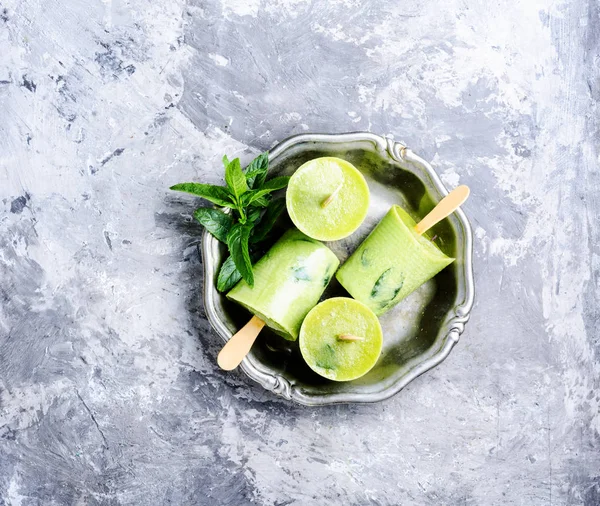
column 239, row 345
column 329, row 199
column 350, row 337
column 444, row 208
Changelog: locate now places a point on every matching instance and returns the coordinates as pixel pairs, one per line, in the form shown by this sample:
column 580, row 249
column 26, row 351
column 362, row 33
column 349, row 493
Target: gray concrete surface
column 109, row 392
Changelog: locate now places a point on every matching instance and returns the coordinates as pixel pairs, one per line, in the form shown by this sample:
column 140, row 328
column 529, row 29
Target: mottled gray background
column 109, row 393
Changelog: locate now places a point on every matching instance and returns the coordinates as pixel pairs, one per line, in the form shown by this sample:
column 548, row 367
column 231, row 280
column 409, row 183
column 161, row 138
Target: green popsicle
column 393, row 261
column 341, row 339
column 327, row 198
column 288, row 282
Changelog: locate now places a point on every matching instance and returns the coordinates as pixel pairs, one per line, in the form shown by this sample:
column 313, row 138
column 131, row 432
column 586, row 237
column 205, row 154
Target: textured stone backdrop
column 109, row 392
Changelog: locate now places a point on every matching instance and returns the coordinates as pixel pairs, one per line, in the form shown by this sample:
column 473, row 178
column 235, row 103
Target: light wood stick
column 350, row 337
column 329, row 199
column 444, row 208
column 239, row 345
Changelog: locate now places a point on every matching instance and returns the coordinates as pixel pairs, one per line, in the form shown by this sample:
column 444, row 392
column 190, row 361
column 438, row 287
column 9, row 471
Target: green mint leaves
column 216, row 194
column 228, row 275
column 235, row 179
column 262, row 229
column 216, row 222
column 256, row 172
column 237, row 242
column 253, row 214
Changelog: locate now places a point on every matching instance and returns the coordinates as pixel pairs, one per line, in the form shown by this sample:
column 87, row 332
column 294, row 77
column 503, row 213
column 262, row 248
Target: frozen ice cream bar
column 288, row 282
column 393, row 261
column 327, row 198
column 341, row 339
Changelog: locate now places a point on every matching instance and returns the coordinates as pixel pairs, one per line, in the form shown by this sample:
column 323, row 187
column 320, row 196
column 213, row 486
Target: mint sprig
column 253, row 213
column 272, row 212
column 237, row 242
column 216, row 222
column 236, row 180
column 216, row 194
column 257, row 169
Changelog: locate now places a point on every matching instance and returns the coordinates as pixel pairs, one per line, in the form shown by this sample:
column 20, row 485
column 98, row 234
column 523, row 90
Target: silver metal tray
column 418, row 333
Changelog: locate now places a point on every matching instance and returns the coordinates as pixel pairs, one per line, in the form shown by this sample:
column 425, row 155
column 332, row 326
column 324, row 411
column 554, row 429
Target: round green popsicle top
column 327, row 198
column 341, row 339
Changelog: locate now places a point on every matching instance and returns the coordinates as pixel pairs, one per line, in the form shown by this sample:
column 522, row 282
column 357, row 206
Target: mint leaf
column 262, row 229
column 256, row 172
column 254, row 215
column 276, row 183
column 252, row 196
column 216, row 222
column 237, row 242
column 235, row 179
column 262, row 201
column 228, row 275
column 215, row 194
